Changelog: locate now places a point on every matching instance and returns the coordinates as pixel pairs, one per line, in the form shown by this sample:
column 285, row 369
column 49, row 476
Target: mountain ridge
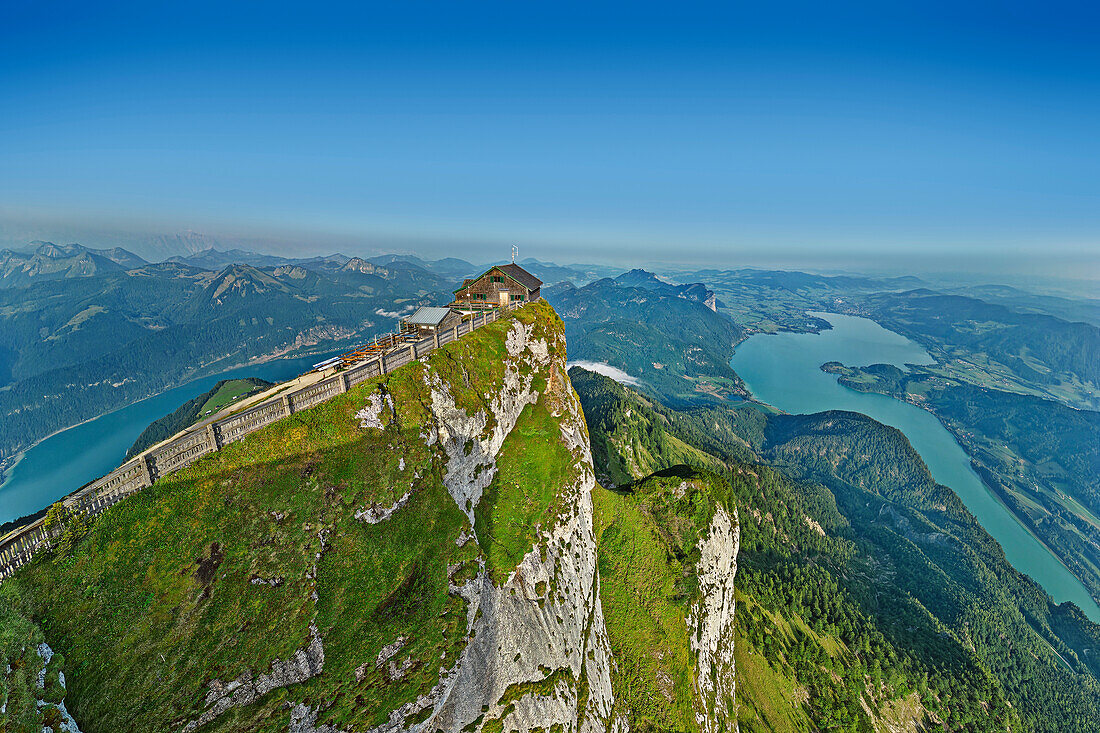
column 904, row 559
column 49, row 261
column 429, row 633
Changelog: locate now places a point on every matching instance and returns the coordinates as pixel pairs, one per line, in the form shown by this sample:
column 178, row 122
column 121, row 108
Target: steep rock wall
column 537, row 654
column 668, row 549
column 711, row 623
column 416, row 554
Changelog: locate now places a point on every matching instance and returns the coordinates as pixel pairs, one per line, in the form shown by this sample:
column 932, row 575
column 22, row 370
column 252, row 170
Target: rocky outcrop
column 50, row 691
column 711, row 623
column 471, row 442
column 537, row 654
column 303, row 719
column 246, row 689
column 374, row 513
column 356, row 264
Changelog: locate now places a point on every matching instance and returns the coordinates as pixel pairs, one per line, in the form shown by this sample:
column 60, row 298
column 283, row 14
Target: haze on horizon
column 806, row 135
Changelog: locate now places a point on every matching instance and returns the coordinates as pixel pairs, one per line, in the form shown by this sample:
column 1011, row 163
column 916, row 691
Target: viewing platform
column 326, row 380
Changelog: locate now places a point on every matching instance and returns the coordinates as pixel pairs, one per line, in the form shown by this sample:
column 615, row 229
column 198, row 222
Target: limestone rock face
column 537, row 654
column 245, row 690
column 415, row 554
column 710, row 621
column 54, row 710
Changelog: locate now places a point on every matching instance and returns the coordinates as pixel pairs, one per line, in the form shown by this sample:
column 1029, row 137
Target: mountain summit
column 414, row 554
column 49, row 261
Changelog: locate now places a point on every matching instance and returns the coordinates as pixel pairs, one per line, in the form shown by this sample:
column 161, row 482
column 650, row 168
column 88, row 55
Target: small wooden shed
column 427, row 321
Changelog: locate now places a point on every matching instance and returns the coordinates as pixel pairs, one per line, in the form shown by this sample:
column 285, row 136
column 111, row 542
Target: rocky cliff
column 416, row 554
column 668, row 549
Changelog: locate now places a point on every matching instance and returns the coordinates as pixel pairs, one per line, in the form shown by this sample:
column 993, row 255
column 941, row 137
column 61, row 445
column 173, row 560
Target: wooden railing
column 18, row 546
column 480, row 305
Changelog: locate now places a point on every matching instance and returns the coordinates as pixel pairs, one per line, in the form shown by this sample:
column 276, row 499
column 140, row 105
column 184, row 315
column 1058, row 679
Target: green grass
column 647, row 537
column 522, row 499
column 644, row 615
column 158, row 599
column 19, row 637
column 226, row 394
column 769, row 699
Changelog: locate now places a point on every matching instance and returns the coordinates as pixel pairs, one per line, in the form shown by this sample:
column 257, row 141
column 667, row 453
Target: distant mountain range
column 697, row 292
column 548, row 272
column 212, row 259
column 80, row 334
column 795, row 281
column 46, row 260
column 49, row 261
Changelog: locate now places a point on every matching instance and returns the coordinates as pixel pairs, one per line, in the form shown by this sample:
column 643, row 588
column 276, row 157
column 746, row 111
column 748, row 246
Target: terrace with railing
column 381, row 356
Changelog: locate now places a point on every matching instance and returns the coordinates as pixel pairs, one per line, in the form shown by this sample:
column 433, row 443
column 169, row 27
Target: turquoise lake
column 67, row 460
column 784, row 370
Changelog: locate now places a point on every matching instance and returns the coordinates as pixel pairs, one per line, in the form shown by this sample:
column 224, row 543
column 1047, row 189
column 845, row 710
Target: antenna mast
column 515, row 251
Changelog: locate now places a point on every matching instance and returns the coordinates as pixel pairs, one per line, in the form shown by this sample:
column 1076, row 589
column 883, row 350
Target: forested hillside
column 665, row 336
column 895, row 578
column 72, row 349
column 1040, row 457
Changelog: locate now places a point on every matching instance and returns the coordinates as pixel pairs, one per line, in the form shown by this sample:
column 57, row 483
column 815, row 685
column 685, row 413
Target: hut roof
column 426, row 316
column 513, row 271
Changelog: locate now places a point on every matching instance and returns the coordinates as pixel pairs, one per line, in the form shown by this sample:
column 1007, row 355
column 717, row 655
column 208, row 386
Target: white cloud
column 607, row 370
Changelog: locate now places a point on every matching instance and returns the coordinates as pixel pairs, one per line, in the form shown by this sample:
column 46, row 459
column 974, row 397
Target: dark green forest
column 899, row 571
column 75, row 348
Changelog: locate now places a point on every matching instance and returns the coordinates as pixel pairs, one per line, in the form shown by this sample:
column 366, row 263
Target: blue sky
column 726, row 134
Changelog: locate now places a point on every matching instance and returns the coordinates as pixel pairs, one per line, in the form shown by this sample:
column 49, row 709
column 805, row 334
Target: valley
column 863, row 569
column 550, row 368
column 78, row 346
column 70, row 458
column 784, row 371
column 1037, row 455
column 868, row 596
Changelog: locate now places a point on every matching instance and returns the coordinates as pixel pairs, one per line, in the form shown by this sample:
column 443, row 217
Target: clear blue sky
column 728, row 133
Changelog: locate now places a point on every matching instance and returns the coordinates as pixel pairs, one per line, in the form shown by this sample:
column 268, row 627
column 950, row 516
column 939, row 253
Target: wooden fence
column 18, row 546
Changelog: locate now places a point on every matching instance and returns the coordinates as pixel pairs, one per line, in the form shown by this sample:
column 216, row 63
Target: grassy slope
column 157, row 600
column 871, row 643
column 18, row 688
column 531, row 468
column 647, row 542
column 225, row 393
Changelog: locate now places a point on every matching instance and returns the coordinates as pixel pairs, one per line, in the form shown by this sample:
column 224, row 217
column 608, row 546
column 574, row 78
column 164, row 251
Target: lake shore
column 68, row 459
column 785, row 371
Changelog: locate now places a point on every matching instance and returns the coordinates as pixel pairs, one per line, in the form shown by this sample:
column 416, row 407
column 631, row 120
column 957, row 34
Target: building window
column 519, row 297
column 496, row 278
